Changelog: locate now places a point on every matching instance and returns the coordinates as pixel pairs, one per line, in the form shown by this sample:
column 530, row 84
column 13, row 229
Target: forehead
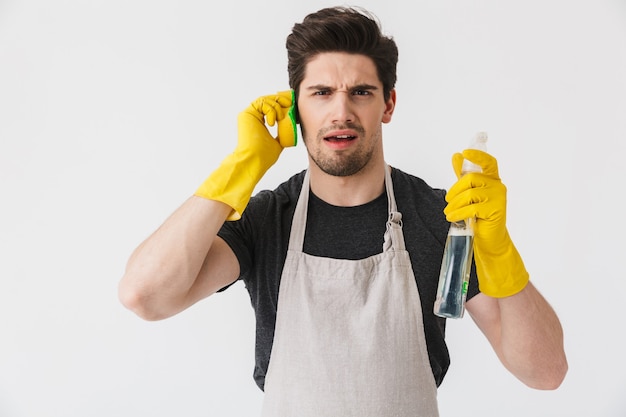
column 340, row 69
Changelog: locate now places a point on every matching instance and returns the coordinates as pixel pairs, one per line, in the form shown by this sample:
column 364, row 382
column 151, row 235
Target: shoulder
column 283, row 196
column 419, row 203
column 410, row 185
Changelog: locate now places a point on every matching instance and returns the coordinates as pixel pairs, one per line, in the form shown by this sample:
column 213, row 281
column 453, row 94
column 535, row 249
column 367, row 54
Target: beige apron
column 349, row 337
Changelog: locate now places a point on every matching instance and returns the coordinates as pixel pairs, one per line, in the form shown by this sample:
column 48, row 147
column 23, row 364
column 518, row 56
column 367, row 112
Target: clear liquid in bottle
column 455, row 271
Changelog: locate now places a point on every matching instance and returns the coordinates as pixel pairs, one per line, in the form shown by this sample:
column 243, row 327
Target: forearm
column 531, row 339
column 163, row 269
column 520, row 325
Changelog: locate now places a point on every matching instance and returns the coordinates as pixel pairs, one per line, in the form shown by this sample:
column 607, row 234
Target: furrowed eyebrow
column 364, row 87
column 319, row 87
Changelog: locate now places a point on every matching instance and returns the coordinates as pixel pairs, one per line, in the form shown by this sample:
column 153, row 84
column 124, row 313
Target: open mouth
column 340, row 138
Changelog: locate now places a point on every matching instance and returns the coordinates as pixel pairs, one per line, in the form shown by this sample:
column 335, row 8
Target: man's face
column 341, row 108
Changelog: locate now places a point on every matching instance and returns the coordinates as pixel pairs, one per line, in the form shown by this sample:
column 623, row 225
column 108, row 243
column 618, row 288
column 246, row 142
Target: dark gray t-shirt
column 260, row 239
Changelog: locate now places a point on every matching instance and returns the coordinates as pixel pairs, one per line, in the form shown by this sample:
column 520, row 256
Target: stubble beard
column 342, row 164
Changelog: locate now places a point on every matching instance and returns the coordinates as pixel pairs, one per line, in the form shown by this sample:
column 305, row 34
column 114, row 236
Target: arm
column 181, row 263
column 518, row 322
column 184, row 260
column 525, row 333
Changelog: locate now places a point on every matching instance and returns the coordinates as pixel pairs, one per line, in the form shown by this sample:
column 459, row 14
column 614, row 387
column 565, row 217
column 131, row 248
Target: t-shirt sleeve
column 472, row 289
column 239, row 236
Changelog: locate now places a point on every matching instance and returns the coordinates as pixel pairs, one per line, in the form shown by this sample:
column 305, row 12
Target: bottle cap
column 478, row 142
column 480, row 138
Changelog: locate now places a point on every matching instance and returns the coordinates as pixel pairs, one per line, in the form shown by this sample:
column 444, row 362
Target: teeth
column 340, row 137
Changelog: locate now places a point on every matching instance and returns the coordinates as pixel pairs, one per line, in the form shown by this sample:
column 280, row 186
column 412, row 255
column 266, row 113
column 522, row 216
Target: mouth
column 339, row 138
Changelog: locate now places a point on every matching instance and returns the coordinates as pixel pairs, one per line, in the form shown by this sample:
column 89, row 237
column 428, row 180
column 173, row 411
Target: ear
column 390, row 105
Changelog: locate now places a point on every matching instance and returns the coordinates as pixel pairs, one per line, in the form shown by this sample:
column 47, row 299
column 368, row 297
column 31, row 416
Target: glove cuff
column 500, row 275
column 233, row 182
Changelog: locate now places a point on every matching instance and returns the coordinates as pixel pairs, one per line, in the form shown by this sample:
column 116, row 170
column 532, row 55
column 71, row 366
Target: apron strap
column 298, row 224
column 394, row 238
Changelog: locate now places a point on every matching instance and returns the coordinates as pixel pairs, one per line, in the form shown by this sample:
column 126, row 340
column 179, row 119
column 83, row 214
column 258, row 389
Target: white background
column 113, row 112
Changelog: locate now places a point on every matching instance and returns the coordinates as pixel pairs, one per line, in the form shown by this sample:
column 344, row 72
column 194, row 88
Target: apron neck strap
column 393, row 238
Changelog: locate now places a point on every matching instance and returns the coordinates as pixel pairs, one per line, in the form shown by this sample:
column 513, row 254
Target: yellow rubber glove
column 257, row 150
column 499, row 266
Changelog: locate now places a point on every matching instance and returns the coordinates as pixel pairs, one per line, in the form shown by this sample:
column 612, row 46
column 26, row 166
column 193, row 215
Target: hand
column 482, row 196
column 275, row 108
column 257, row 150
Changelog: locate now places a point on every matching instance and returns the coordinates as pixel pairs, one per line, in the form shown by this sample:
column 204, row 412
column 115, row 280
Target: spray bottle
column 458, row 254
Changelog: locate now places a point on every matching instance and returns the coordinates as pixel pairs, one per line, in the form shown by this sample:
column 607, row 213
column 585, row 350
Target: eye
column 323, row 92
column 361, row 92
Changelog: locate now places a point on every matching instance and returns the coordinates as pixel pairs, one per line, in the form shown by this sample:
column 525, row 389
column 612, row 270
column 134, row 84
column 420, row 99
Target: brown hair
column 341, row 29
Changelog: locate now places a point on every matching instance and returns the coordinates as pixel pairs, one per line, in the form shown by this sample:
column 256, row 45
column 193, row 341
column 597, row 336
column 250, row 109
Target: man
column 342, row 260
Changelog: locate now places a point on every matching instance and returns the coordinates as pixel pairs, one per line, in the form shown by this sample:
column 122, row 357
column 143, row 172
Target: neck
column 354, row 190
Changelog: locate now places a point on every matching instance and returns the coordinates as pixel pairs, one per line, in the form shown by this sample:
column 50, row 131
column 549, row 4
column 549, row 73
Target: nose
column 341, row 107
